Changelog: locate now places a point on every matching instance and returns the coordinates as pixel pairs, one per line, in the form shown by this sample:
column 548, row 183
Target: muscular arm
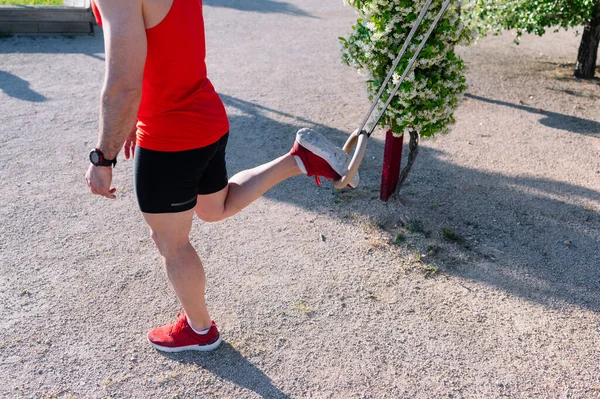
column 125, row 43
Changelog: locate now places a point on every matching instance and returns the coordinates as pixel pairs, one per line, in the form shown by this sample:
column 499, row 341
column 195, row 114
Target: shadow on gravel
column 16, row 87
column 229, row 365
column 92, row 46
column 531, row 237
column 575, row 93
column 262, row 6
column 554, row 120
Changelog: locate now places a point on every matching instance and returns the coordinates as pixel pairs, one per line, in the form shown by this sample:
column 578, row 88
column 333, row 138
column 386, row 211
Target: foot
column 179, row 337
column 319, row 157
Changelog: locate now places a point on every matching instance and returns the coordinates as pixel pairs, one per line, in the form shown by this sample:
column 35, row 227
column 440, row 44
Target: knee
column 210, row 217
column 167, row 243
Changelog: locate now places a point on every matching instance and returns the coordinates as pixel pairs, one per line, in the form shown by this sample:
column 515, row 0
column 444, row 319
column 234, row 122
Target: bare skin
column 125, row 23
column 171, row 231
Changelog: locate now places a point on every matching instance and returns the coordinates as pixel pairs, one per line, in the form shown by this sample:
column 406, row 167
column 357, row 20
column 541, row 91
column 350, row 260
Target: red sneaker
column 321, row 157
column 179, row 337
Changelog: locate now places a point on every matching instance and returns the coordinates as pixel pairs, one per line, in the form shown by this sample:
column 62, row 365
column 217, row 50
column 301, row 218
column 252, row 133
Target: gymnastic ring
column 360, row 142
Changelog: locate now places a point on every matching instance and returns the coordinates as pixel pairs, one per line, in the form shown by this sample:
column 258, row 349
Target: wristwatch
column 97, row 159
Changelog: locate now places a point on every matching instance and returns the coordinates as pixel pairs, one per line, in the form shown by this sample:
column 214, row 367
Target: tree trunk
column 588, row 49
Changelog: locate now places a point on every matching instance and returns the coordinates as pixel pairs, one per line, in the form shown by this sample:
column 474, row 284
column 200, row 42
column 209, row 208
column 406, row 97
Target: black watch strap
column 109, row 162
column 97, row 159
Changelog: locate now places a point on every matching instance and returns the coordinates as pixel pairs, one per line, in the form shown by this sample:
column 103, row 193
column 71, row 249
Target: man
column 158, row 104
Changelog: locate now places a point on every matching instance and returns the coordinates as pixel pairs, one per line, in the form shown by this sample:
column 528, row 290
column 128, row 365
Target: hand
column 129, row 146
column 98, row 179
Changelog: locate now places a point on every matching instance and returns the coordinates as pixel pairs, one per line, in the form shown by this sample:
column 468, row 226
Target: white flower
column 368, row 51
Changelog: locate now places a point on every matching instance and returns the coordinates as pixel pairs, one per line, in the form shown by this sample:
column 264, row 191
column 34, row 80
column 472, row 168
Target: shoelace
column 179, row 325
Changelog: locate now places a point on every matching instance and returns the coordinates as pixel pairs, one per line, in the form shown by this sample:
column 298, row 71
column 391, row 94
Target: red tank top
column 180, row 109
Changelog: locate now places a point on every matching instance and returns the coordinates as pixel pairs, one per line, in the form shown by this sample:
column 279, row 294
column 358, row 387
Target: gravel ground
column 492, row 288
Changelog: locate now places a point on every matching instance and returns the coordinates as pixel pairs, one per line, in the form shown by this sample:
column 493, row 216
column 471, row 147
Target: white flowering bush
column 432, row 92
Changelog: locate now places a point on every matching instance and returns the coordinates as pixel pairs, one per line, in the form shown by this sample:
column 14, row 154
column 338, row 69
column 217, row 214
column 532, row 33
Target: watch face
column 95, row 158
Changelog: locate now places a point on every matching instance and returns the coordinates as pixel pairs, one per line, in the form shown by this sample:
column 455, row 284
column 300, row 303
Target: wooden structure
column 74, row 17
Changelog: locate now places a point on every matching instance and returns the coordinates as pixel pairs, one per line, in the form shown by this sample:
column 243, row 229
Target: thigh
column 170, row 229
column 213, row 185
column 213, row 178
column 166, row 182
column 211, row 207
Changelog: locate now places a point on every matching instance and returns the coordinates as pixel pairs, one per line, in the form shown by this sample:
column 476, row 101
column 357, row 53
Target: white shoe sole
column 198, row 348
column 321, row 147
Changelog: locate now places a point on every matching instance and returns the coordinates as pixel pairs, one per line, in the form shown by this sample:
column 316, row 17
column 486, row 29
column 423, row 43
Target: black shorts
column 169, row 182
